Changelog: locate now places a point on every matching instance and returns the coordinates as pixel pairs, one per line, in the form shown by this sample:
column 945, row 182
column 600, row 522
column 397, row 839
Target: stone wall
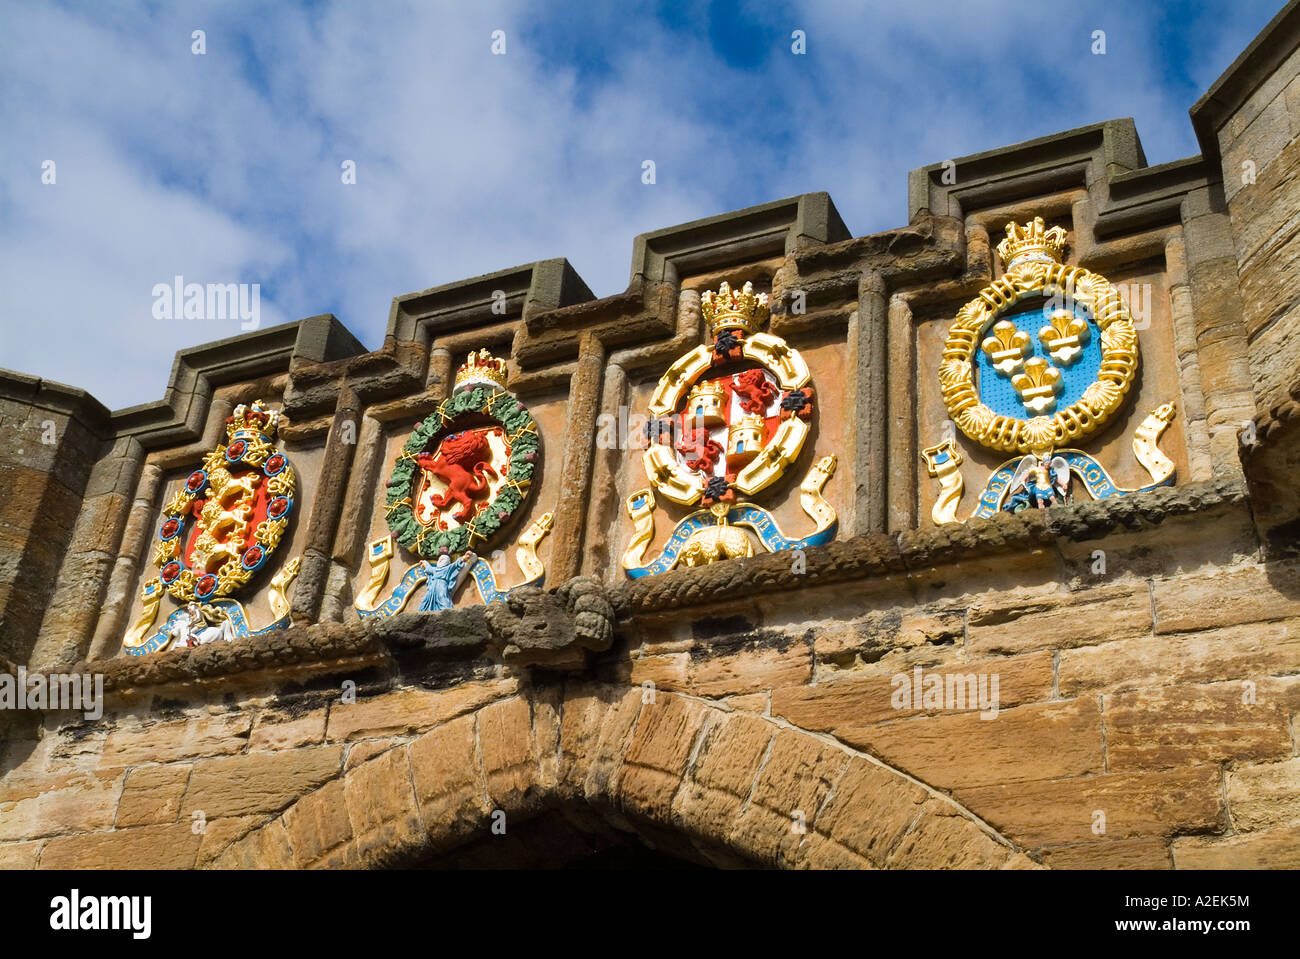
column 1248, row 122
column 1147, row 715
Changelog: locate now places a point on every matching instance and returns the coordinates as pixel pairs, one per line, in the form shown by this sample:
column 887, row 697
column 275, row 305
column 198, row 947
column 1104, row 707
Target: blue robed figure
column 441, row 580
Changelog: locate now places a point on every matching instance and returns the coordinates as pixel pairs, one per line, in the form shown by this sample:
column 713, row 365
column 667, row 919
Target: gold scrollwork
column 641, row 508
column 150, row 596
column 943, row 461
column 526, row 551
column 379, row 555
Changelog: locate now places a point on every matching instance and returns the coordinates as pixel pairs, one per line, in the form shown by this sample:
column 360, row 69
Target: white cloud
column 226, row 167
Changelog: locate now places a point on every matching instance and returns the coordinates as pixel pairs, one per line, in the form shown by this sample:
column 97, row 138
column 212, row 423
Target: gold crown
column 481, row 367
column 726, row 310
column 252, row 422
column 1031, row 243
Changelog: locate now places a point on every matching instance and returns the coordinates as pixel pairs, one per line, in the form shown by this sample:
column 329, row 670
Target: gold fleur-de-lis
column 1038, row 385
column 1064, row 337
column 1007, row 347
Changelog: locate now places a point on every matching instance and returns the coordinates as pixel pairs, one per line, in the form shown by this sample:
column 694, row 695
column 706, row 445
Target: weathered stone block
column 278, row 730
column 19, row 855
column 724, row 771
column 78, row 803
column 405, row 711
column 219, row 834
column 152, row 795
column 796, row 777
column 1039, row 741
column 1227, row 597
column 318, row 824
column 1235, row 652
column 506, row 742
column 449, row 782
column 1082, row 618
column 853, row 700
column 382, row 808
column 656, row 757
column 1262, row 797
column 1187, row 725
column 1115, row 854
column 258, row 782
column 870, row 810
column 750, row 670
column 173, row 741
column 1134, row 805
column 1268, row 849
column 264, row 848
column 145, row 847
column 945, row 839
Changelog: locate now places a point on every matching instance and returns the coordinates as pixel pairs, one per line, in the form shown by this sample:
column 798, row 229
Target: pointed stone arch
column 739, row 788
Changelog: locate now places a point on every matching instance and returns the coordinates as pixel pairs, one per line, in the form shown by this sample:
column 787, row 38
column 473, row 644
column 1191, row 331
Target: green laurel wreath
column 521, row 431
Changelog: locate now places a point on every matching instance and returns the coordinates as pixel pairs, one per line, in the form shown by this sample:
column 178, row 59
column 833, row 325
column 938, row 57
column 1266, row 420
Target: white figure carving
column 201, row 625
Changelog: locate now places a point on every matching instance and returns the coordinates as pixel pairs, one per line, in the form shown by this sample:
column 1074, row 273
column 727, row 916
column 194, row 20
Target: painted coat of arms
column 461, row 478
column 220, row 529
column 727, row 420
column 1042, row 358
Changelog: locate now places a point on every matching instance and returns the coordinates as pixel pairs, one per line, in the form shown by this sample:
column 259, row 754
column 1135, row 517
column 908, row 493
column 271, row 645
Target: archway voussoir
column 722, row 775
column 944, row 838
column 510, row 762
column 450, row 788
column 871, row 810
column 797, row 776
column 605, row 746
column 657, row 754
column 383, row 810
column 267, row 847
column 318, row 825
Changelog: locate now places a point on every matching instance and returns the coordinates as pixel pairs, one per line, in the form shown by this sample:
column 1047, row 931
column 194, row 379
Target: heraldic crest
column 220, row 529
column 1040, row 359
column 726, row 421
column 461, row 478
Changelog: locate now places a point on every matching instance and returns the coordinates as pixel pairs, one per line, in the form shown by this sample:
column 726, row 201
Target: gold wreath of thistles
column 729, row 310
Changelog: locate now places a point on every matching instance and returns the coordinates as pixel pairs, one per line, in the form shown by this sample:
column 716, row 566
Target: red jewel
column 278, row 506
column 170, row 527
column 195, row 480
column 235, row 449
column 171, row 571
column 206, row 584
column 253, row 556
column 275, row 462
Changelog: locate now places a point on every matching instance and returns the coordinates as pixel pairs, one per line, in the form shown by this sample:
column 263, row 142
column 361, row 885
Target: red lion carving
column 463, row 462
column 756, row 393
column 700, row 449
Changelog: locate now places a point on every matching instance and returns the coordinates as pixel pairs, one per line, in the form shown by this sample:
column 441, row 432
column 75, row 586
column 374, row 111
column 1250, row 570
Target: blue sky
column 226, row 167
